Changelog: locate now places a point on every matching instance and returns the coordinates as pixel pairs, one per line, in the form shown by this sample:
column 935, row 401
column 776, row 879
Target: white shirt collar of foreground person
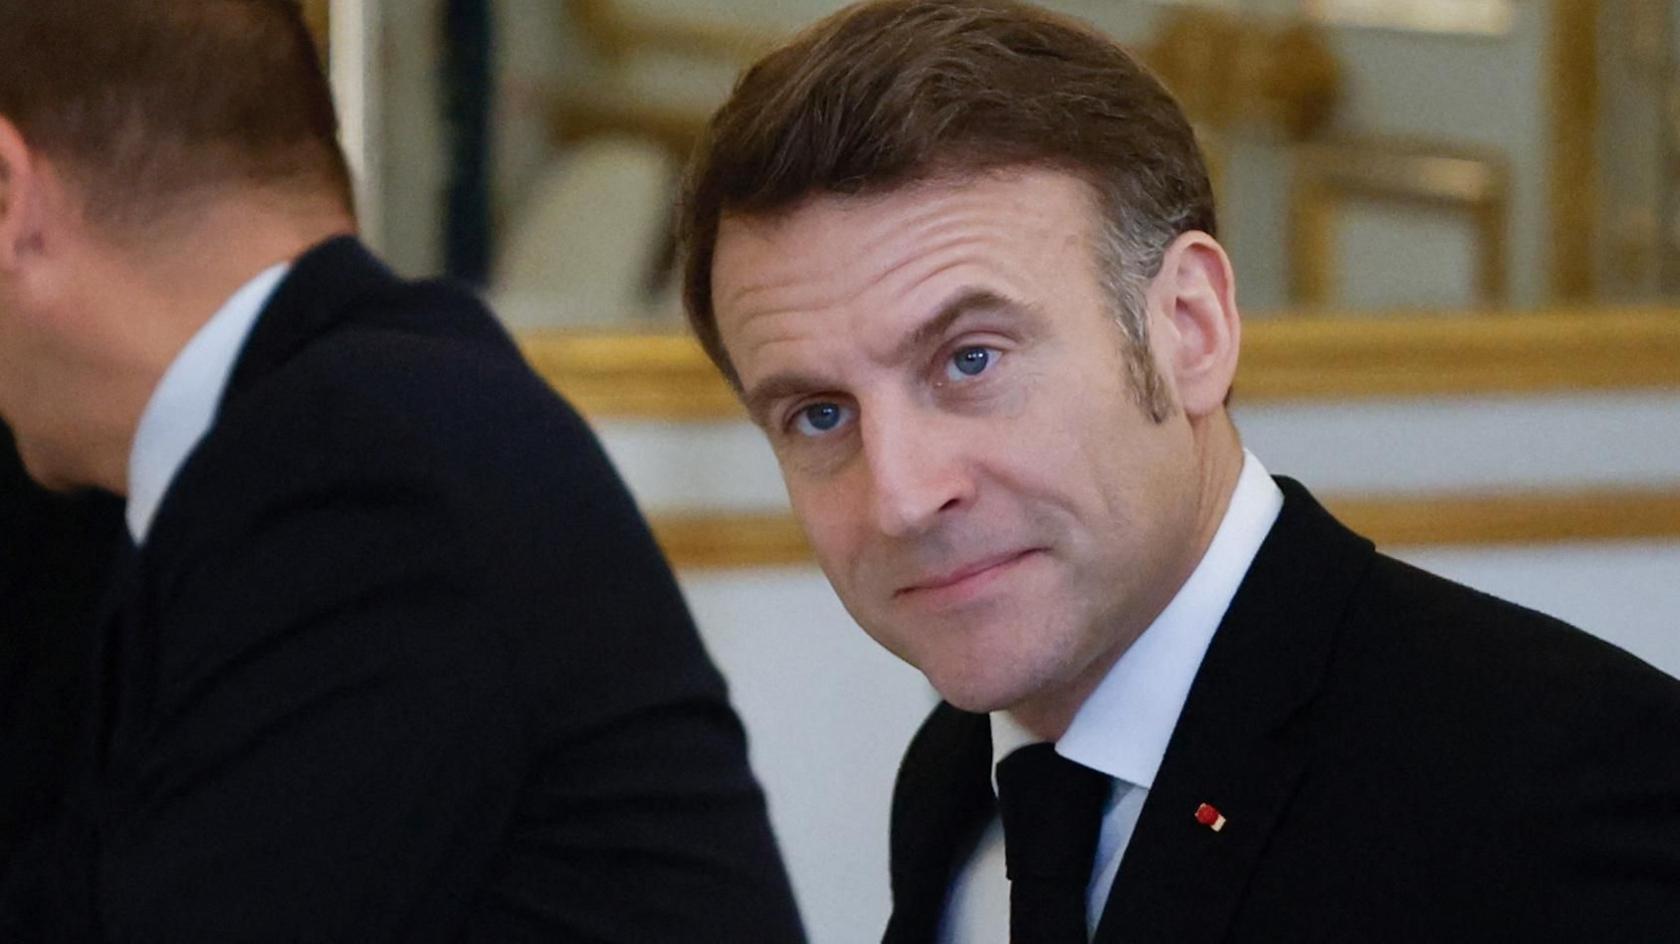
column 1122, row 730
column 183, row 407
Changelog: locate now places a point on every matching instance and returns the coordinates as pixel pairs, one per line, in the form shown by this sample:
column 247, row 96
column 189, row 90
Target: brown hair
column 886, row 93
column 145, row 102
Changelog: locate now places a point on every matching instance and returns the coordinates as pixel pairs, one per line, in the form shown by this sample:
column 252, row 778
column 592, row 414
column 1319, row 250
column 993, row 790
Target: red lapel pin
column 1210, row 817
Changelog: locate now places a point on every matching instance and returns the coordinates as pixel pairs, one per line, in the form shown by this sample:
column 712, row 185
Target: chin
column 981, row 693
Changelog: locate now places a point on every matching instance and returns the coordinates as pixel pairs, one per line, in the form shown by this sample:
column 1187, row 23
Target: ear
column 20, row 198
column 1194, row 295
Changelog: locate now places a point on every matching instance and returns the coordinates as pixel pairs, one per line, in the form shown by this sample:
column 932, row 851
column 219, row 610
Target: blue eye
column 819, row 418
column 971, row 362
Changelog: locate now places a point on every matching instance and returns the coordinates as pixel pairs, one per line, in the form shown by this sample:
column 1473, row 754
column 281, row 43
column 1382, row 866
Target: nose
column 918, row 469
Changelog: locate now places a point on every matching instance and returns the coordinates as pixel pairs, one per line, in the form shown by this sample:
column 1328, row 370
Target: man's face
column 941, row 377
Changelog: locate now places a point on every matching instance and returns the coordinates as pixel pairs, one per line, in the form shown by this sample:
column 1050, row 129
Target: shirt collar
column 1123, row 728
column 183, row 405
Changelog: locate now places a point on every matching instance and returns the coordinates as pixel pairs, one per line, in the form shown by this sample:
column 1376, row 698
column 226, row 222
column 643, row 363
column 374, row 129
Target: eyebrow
column 774, row 388
column 965, row 302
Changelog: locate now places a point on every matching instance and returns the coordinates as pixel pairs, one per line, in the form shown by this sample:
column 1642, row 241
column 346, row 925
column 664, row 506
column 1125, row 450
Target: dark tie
column 1052, row 812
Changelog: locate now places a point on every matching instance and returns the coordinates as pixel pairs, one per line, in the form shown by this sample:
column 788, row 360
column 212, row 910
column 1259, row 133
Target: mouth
column 965, row 581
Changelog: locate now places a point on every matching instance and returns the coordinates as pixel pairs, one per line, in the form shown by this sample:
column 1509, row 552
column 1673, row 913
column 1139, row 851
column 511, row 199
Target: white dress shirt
column 183, row 405
column 1123, row 728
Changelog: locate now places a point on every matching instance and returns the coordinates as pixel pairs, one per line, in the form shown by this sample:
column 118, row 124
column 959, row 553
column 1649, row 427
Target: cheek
column 1062, row 464
column 831, row 522
column 1104, row 494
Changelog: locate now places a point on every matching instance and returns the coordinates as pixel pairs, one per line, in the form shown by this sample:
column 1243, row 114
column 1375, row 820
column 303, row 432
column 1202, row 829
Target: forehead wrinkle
column 886, row 235
column 900, row 252
column 757, row 345
column 791, row 295
column 933, row 240
column 942, row 229
column 1001, row 281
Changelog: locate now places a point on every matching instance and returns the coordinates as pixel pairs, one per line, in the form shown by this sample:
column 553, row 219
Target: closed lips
column 951, row 578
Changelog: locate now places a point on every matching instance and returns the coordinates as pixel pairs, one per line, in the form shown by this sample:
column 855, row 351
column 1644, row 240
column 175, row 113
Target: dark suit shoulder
column 1475, row 769
column 396, row 526
column 1498, row 655
column 485, row 471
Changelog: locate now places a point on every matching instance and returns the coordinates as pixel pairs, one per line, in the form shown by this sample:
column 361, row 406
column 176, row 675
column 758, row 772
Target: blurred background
column 1456, row 228
column 1371, row 155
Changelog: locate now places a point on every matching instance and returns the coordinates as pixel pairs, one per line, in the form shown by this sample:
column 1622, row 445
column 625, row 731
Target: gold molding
column 613, row 375
column 731, row 541
column 1326, row 357
column 1474, row 184
column 741, row 541
column 1572, row 179
column 1337, row 357
column 1539, row 517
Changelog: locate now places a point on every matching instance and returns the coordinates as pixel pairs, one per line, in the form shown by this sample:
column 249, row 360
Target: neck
column 1219, row 457
column 143, row 305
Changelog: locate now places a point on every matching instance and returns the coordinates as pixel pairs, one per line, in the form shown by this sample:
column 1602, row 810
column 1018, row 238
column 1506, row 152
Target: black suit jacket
column 1399, row 758
column 400, row 662
column 54, row 552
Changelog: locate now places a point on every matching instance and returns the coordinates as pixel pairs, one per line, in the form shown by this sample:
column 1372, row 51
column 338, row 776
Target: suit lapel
column 1238, row 746
column 941, row 804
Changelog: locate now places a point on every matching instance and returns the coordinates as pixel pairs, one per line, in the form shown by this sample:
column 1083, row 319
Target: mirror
column 1371, row 155
column 1374, row 159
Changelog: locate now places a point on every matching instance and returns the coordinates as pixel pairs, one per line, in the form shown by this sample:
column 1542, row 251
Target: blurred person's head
column 958, row 257
column 154, row 154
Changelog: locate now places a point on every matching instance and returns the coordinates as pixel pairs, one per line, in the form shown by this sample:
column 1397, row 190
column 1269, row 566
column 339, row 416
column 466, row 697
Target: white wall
column 828, row 715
